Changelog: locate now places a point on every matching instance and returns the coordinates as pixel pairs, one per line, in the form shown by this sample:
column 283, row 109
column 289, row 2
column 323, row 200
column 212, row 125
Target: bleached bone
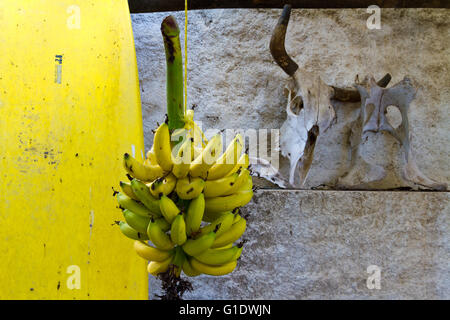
column 309, row 109
column 309, row 112
column 374, row 103
column 264, row 169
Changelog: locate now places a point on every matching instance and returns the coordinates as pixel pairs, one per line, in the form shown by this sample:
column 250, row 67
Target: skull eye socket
column 393, row 116
column 296, row 105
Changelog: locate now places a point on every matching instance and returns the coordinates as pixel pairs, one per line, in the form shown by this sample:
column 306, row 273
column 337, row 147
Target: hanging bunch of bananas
column 184, row 199
column 185, row 196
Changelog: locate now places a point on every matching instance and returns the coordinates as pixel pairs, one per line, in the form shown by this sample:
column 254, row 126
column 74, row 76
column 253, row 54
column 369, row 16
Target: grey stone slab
column 319, row 244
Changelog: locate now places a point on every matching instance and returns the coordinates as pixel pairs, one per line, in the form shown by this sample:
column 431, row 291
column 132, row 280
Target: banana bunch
column 184, row 198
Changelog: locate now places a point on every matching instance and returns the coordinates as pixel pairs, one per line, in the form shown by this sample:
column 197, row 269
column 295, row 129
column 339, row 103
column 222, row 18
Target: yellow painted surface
column 64, row 126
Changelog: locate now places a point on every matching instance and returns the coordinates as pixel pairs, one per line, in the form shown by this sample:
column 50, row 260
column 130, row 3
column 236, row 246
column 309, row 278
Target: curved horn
column 277, row 43
column 346, row 94
column 352, row 95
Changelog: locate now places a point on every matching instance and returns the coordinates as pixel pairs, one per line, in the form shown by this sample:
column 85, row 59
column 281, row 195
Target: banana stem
column 174, row 82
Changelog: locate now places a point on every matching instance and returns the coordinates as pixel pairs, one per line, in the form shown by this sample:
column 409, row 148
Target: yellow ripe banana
column 194, row 247
column 169, row 209
column 189, row 188
column 178, row 230
column 237, row 217
column 126, row 189
column 216, row 257
column 137, row 222
column 127, row 203
column 141, row 191
column 244, row 174
column 234, row 233
column 182, row 159
column 151, row 157
column 216, row 188
column 130, row 232
column 158, row 237
column 247, row 185
column 228, row 203
column 196, row 132
column 162, row 147
column 189, row 118
column 151, row 253
column 225, row 247
column 243, row 163
column 198, row 135
column 156, row 267
column 223, row 223
column 194, row 214
column 227, row 161
column 189, row 270
column 200, row 166
column 139, row 170
column 214, row 270
column 163, row 186
column 196, row 151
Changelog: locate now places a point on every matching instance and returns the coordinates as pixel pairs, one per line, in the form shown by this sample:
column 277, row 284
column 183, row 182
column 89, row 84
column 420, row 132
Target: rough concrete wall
column 319, row 244
column 235, row 83
column 316, row 244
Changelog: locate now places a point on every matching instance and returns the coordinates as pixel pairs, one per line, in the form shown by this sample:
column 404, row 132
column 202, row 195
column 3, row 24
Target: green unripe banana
column 189, row 270
column 216, row 257
column 178, row 260
column 234, row 233
column 137, row 222
column 126, row 189
column 223, row 223
column 143, row 193
column 127, row 203
column 194, row 247
column 178, row 230
column 163, row 224
column 130, row 232
column 159, row 238
column 194, row 214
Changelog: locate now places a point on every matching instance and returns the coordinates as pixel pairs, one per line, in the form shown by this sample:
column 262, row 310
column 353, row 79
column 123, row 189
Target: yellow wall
column 61, row 146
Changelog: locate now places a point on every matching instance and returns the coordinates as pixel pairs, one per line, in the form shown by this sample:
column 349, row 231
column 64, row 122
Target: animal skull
column 374, row 103
column 309, row 110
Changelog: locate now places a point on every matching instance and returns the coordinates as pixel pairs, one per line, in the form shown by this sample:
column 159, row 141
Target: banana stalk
column 174, row 83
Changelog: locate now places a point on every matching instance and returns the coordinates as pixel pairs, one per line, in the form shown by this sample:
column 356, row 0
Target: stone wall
column 318, row 244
